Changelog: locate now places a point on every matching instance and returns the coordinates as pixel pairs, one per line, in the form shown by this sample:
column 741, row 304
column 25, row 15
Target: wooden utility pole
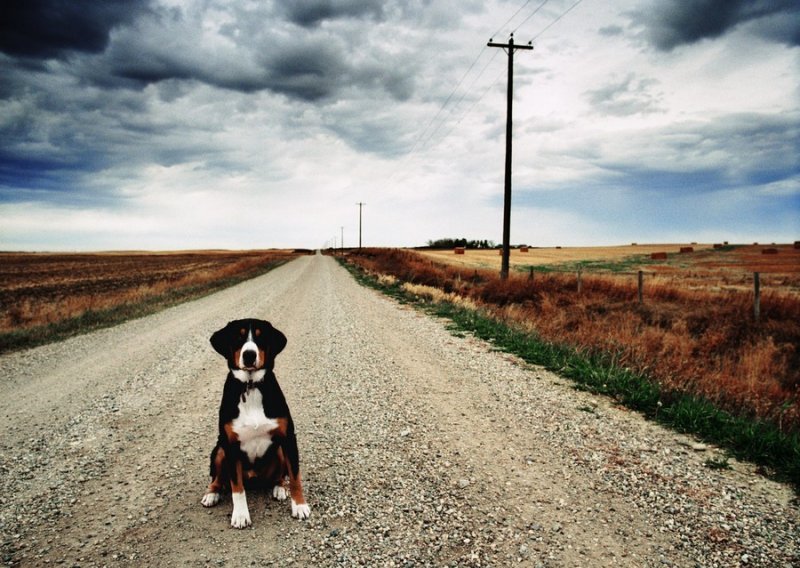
column 359, row 223
column 509, row 48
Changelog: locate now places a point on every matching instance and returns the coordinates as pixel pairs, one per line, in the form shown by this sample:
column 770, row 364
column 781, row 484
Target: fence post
column 757, row 296
column 580, row 284
column 530, row 274
column 641, row 285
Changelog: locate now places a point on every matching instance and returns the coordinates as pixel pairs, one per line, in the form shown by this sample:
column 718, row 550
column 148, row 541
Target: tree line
column 466, row 243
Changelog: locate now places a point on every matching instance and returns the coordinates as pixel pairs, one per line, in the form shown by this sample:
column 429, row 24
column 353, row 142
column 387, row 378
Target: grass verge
column 92, row 320
column 778, row 453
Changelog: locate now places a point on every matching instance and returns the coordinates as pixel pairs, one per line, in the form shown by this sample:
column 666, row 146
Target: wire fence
column 640, row 282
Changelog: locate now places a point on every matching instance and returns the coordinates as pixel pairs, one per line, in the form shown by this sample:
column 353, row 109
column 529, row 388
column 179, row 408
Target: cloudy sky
column 175, row 124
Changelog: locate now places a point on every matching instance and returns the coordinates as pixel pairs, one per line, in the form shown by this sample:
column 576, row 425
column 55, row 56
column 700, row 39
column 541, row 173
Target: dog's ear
column 221, row 340
column 276, row 340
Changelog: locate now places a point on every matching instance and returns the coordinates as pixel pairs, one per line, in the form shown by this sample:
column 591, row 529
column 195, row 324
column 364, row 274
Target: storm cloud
column 309, row 13
column 673, row 23
column 42, row 29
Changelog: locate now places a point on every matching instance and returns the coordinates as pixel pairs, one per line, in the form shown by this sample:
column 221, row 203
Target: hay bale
column 459, row 250
column 717, row 246
column 685, row 250
column 523, row 249
column 658, row 256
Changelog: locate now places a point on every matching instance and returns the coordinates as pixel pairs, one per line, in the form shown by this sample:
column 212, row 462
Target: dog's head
column 249, row 344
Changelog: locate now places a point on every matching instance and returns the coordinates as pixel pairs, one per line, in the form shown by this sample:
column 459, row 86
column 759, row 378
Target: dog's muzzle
column 249, row 358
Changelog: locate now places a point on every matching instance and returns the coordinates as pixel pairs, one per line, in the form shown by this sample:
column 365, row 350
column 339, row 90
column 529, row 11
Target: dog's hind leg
column 300, row 509
column 280, row 477
column 217, row 472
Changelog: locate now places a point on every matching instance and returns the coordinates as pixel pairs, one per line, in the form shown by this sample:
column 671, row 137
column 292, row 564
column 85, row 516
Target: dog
column 256, row 433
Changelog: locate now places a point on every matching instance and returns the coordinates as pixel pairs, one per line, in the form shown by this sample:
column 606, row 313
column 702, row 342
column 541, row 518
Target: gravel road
column 418, row 448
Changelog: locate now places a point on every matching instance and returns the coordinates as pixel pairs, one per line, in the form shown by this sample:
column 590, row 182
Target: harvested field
column 38, row 289
column 488, row 258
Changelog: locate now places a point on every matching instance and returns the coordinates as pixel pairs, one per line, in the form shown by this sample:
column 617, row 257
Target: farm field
column 41, row 289
column 725, row 268
column 489, row 258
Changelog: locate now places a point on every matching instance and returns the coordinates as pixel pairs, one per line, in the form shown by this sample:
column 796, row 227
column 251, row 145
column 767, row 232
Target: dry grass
column 690, row 339
column 42, row 289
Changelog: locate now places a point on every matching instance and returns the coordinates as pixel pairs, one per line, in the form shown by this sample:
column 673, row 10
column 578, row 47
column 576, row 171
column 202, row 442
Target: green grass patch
column 743, row 437
column 92, row 320
column 625, row 265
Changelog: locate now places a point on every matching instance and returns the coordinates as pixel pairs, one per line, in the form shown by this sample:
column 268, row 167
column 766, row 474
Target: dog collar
column 248, row 386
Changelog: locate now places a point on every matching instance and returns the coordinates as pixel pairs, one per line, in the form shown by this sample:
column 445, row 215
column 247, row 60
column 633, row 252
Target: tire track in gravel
column 418, row 448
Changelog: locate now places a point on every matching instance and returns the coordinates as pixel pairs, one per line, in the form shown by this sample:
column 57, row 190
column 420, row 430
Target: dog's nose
column 249, row 358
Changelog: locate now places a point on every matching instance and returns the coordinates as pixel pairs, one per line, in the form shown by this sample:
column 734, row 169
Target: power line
column 532, row 15
column 539, row 34
column 551, row 24
column 473, row 105
column 422, row 140
column 461, row 99
column 425, row 140
column 447, row 100
column 497, row 33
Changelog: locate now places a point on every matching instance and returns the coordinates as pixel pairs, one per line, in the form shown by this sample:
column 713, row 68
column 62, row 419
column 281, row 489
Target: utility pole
column 359, row 223
column 509, row 48
column 341, row 242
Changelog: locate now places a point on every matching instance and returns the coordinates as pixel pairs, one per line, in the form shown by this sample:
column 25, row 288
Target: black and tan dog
column 256, row 432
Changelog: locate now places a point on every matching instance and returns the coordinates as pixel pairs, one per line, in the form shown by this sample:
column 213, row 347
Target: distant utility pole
column 341, row 242
column 509, row 48
column 359, row 223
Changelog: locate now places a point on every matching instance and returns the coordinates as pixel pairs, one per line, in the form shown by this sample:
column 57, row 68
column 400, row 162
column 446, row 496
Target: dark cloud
column 43, row 29
column 672, row 23
column 250, row 51
column 78, row 105
column 309, row 72
column 310, row 13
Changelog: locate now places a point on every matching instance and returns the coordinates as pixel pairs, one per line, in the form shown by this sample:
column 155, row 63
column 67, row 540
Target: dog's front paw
column 280, row 493
column 240, row 518
column 301, row 511
column 210, row 499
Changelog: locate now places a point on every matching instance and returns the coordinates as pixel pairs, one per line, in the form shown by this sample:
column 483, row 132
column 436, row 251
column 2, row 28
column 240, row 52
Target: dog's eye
column 243, row 332
column 258, row 332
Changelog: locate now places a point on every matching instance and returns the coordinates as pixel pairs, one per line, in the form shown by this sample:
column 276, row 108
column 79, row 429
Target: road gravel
column 419, row 447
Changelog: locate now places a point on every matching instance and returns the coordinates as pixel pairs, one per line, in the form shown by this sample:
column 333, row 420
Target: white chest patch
column 253, row 427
